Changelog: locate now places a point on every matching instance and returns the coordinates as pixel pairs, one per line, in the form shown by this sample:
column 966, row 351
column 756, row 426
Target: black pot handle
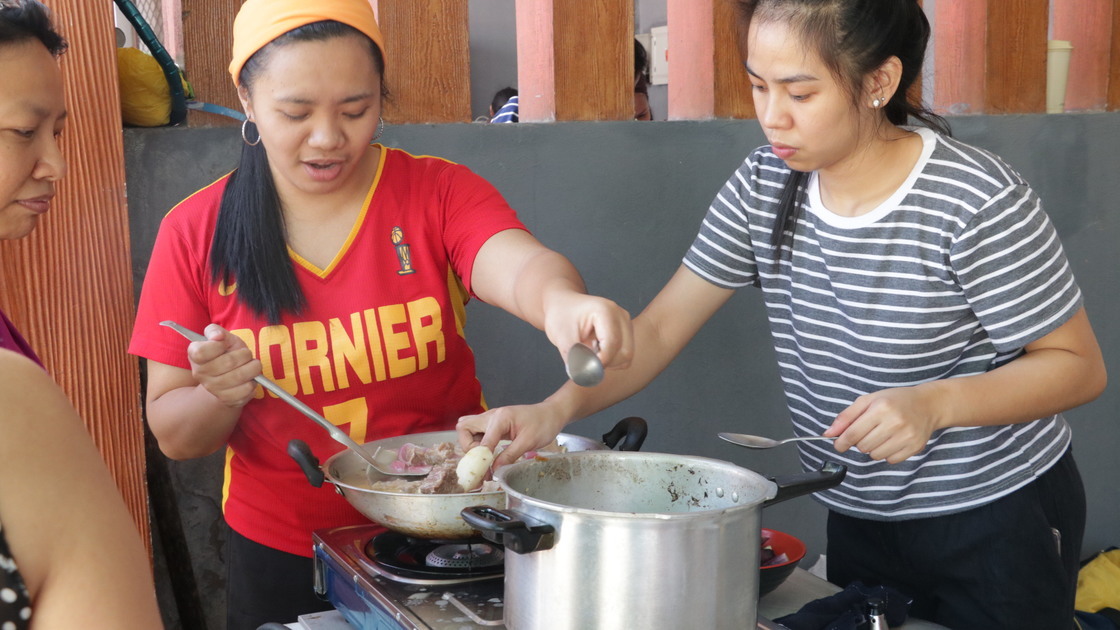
column 829, row 476
column 631, row 431
column 509, row 529
column 301, row 452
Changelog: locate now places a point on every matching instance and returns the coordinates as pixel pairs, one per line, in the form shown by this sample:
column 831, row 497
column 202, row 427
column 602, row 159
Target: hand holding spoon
column 336, row 433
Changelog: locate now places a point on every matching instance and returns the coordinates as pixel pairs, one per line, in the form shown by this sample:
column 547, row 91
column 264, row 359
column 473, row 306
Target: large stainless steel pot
column 430, row 516
column 634, row 540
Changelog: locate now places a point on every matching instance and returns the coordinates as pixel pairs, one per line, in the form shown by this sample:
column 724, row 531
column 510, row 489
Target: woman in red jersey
column 339, row 268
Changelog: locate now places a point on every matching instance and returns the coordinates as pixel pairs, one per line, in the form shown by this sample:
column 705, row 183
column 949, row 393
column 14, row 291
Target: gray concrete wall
column 624, row 201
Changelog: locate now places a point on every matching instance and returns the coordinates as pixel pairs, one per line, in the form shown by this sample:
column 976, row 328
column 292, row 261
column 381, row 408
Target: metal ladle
column 757, row 441
column 339, row 436
column 584, row 366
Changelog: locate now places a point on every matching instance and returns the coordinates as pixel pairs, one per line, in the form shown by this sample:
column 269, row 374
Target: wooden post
column 68, row 286
column 171, row 14
column 594, row 59
column 733, row 89
column 1016, row 54
column 1087, row 24
column 691, row 60
column 960, row 39
column 207, row 42
column 1114, row 64
column 428, row 68
column 536, row 75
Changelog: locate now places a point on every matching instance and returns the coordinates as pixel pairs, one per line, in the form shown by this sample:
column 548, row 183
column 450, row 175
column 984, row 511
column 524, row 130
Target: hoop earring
column 380, row 130
column 876, row 103
column 245, row 136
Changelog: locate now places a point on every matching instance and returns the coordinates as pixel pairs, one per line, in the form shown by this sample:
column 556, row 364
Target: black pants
column 264, row 584
column 1008, row 565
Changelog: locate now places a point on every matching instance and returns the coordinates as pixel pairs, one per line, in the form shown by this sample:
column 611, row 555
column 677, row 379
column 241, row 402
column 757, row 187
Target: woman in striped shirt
column 923, row 313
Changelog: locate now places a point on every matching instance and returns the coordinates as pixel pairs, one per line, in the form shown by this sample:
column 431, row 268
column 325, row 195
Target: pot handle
column 301, row 452
column 829, row 476
column 509, row 529
column 631, row 431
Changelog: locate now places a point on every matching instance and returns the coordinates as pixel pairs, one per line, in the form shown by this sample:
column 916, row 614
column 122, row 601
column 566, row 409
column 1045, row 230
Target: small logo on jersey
column 226, row 291
column 404, row 252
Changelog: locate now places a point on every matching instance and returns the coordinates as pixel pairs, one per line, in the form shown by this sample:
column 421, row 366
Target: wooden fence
column 574, row 57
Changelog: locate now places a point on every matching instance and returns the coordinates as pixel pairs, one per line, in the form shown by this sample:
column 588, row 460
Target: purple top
column 10, row 339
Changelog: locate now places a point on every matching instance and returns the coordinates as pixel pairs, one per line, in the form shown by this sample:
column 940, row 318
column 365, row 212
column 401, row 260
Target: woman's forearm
column 189, row 422
column 1063, row 370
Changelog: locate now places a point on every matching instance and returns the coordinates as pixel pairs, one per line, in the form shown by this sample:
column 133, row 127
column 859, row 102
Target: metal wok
column 431, row 516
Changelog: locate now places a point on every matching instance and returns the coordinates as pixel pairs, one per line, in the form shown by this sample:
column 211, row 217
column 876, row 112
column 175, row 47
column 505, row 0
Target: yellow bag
column 1098, row 582
column 145, row 96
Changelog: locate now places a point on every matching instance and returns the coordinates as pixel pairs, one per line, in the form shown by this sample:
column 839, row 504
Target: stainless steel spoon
column 757, row 441
column 336, row 433
column 584, row 367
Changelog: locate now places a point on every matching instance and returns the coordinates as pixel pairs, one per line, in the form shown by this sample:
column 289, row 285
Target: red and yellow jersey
column 379, row 350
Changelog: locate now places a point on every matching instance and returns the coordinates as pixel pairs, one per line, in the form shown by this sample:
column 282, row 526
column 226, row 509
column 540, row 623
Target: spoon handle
column 339, row 436
column 757, row 441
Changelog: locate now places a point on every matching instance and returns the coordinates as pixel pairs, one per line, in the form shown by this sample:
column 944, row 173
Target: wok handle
column 829, row 476
column 509, row 529
column 301, row 452
column 631, row 431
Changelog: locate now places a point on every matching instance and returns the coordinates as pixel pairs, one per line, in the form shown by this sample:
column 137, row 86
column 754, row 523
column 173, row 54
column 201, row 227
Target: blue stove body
column 372, row 599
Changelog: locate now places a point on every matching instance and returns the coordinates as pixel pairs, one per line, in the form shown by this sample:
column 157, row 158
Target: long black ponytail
column 852, row 38
column 250, row 245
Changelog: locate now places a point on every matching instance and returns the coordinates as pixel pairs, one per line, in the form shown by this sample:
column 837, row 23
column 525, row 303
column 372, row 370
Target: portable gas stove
column 383, row 580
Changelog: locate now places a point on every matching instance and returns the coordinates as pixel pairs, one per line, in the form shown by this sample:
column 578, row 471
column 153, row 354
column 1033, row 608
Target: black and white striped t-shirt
column 951, row 276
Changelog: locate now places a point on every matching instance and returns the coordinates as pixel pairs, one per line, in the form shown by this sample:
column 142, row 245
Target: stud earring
column 876, row 103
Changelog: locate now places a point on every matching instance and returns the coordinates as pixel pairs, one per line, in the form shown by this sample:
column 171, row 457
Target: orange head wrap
column 261, row 21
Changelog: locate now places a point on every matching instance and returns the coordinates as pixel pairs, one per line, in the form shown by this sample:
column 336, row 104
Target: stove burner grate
column 459, row 556
column 413, row 558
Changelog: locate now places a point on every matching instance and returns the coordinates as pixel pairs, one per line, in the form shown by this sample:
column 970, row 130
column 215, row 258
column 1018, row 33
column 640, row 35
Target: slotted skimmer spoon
column 757, row 441
column 339, row 435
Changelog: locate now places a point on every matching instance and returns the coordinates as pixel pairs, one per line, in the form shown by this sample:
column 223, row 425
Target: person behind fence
column 923, row 313
column 70, row 555
column 340, row 268
column 503, row 108
column 642, row 109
